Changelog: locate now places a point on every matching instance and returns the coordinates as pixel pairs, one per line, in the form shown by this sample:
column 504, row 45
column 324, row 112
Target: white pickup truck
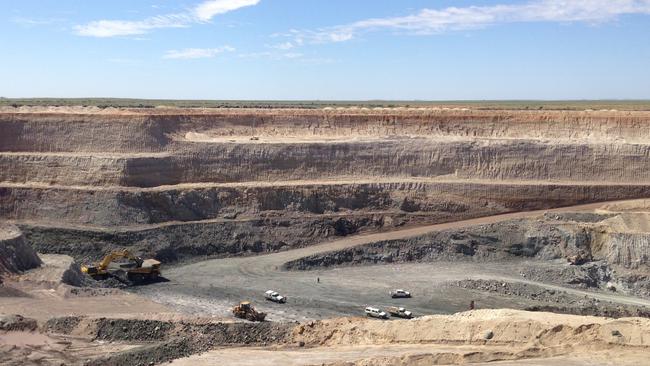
column 275, row 297
column 399, row 294
column 375, row 313
column 400, row 312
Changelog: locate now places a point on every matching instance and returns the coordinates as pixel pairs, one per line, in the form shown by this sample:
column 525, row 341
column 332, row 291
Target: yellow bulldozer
column 136, row 270
column 246, row 311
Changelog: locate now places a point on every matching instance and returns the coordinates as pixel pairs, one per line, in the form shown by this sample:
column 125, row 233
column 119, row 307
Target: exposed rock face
column 631, row 250
column 601, row 257
column 224, row 162
column 197, row 239
column 181, row 183
column 511, row 239
column 149, row 131
column 15, row 254
column 122, row 207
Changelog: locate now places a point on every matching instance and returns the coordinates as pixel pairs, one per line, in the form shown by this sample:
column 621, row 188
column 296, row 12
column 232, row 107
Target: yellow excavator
column 137, row 270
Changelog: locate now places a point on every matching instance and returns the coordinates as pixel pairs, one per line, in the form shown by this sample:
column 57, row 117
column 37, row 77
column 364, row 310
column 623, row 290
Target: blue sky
column 326, row 49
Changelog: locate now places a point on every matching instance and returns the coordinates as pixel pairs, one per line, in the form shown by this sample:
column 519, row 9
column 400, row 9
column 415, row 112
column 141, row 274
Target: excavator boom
column 103, row 265
column 143, row 270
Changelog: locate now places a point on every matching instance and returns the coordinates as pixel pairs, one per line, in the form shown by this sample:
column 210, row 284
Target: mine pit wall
column 80, row 133
column 433, row 202
column 114, row 155
column 522, row 238
column 151, row 130
column 230, row 162
column 188, row 241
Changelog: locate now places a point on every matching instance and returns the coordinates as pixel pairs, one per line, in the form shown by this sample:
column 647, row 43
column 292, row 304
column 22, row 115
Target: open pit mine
column 520, row 236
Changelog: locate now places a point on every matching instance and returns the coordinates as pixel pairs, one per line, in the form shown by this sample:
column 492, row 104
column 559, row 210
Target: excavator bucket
column 91, row 270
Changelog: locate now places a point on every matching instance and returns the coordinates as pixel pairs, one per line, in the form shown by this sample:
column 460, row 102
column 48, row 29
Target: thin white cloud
column 119, row 60
column 283, row 46
column 193, row 53
column 287, row 56
column 433, row 21
column 34, row 22
column 292, row 55
column 255, row 55
column 114, row 28
column 208, row 9
column 203, row 12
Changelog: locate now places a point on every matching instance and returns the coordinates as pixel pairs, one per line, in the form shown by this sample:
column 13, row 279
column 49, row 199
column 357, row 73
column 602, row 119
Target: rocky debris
column 634, row 282
column 74, row 277
column 211, row 333
column 17, row 323
column 153, row 354
column 594, row 308
column 168, row 340
column 591, row 275
column 110, row 282
column 588, row 217
column 554, row 300
column 62, row 325
column 594, row 275
column 16, row 255
column 132, row 330
column 516, row 289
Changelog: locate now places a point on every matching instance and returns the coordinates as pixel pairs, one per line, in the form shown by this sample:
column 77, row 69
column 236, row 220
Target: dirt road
column 213, row 286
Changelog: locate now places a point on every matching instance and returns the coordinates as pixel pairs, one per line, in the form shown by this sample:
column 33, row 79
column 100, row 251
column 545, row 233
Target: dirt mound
column 167, row 340
column 509, row 327
column 17, row 323
column 56, row 270
column 15, row 254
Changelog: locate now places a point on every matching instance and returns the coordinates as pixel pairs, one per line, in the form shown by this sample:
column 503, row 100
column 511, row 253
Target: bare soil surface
column 406, row 355
column 471, row 337
column 46, row 292
column 212, row 287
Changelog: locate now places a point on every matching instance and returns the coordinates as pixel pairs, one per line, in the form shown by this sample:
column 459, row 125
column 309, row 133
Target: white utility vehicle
column 275, row 297
column 399, row 293
column 400, row 312
column 375, row 313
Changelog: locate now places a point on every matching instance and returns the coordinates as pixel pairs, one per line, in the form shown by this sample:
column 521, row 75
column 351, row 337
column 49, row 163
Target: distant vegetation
column 630, row 105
